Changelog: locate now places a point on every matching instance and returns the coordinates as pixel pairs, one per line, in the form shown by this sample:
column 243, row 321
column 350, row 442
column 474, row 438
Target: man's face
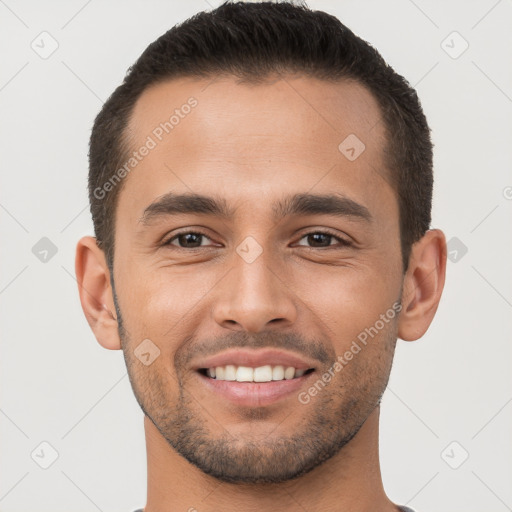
column 276, row 276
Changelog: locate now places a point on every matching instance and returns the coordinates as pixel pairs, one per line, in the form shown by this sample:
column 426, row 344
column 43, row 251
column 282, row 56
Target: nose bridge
column 252, row 295
column 254, row 276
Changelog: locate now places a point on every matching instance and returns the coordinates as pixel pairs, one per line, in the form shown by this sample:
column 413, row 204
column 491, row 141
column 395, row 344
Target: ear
column 423, row 285
column 93, row 277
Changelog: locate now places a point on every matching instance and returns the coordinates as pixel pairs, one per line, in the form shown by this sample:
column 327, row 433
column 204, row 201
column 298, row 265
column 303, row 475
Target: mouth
column 254, row 378
column 260, row 374
column 245, row 386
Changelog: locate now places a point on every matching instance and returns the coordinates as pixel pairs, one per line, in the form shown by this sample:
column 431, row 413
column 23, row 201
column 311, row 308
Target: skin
column 253, row 145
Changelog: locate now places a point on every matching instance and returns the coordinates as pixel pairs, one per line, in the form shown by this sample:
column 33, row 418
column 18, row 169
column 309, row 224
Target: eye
column 187, row 240
column 323, row 239
column 196, row 239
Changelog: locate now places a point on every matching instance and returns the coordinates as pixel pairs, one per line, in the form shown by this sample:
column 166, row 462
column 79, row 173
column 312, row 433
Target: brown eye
column 319, row 239
column 187, row 240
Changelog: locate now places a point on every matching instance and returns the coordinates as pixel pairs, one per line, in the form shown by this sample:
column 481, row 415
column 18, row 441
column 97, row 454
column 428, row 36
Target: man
column 261, row 188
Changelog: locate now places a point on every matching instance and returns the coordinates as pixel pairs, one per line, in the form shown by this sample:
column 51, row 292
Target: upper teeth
column 247, row 374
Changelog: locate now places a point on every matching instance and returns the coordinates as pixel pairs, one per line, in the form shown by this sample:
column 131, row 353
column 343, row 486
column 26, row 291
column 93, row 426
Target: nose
column 253, row 297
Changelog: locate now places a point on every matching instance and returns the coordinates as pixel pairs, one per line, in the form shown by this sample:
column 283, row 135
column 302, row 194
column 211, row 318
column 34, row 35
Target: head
column 262, row 179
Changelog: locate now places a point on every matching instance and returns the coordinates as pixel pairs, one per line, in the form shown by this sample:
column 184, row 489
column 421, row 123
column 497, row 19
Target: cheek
column 349, row 301
column 166, row 304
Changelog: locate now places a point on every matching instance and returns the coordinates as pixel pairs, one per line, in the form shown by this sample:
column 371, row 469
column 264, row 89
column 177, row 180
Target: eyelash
column 342, row 242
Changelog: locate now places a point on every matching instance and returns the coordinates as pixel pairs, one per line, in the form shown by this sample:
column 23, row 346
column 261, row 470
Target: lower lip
column 254, row 394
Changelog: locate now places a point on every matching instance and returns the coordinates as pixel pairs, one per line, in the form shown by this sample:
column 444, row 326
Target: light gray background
column 58, row 385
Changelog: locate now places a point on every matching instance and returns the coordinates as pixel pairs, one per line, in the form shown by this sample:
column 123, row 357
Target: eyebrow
column 299, row 204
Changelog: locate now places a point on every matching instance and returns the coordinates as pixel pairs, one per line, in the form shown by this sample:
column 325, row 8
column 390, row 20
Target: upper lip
column 256, row 358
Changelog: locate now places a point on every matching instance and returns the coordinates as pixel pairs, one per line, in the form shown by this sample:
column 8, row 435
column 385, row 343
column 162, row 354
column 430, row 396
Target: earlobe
column 423, row 285
column 93, row 277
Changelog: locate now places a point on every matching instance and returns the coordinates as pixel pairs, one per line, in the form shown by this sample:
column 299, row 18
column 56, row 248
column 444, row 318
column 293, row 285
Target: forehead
column 246, row 141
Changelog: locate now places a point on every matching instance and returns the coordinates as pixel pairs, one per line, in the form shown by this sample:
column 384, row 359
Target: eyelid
column 325, row 231
column 167, row 240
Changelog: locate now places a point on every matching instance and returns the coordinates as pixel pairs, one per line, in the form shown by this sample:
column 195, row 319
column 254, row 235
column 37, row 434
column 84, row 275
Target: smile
column 265, row 373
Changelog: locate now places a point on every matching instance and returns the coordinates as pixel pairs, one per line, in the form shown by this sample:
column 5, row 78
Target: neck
column 349, row 481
